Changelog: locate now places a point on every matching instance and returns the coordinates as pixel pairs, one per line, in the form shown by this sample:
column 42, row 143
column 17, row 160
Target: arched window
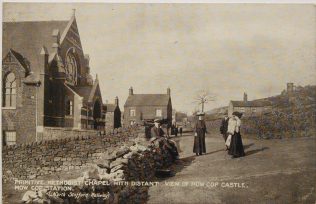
column 9, row 97
column 71, row 68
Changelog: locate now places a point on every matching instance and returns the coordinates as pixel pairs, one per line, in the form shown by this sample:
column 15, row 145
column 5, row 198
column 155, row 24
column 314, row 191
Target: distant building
column 180, row 116
column 139, row 107
column 249, row 107
column 112, row 115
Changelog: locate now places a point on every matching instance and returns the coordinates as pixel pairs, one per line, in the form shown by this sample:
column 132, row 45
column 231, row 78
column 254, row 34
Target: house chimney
column 56, row 40
column 168, row 92
column 131, row 91
column 116, row 101
column 245, row 97
column 73, row 12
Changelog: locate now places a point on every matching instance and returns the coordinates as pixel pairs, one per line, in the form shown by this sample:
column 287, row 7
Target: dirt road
column 273, row 171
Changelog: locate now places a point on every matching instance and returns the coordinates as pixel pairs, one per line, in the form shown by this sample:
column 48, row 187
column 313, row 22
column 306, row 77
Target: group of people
column 230, row 129
column 175, row 130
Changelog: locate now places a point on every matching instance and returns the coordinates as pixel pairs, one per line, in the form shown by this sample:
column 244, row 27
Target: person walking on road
column 180, row 130
column 234, row 141
column 199, row 135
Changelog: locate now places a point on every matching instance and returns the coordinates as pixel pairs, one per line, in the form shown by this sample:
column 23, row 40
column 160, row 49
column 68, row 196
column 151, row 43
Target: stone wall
column 121, row 166
column 54, row 133
column 47, row 157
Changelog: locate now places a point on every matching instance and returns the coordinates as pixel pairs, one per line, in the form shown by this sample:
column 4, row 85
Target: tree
column 203, row 97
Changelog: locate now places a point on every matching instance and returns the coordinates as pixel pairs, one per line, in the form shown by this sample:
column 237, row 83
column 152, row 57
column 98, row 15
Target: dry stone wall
column 28, row 161
column 125, row 160
column 123, row 175
column 54, row 133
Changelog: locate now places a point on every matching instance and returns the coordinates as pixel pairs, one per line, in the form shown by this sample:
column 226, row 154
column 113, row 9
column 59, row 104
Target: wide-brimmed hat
column 200, row 114
column 238, row 114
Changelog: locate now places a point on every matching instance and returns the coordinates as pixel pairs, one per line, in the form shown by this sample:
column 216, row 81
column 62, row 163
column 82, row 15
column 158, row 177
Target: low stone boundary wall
column 27, row 161
column 120, row 176
column 121, row 167
column 54, row 133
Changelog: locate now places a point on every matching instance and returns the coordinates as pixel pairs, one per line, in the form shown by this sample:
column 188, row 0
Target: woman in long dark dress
column 199, row 135
column 236, row 148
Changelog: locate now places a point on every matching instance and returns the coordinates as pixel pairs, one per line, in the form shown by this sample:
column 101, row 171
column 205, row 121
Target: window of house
column 69, row 107
column 132, row 112
column 158, row 112
column 10, row 137
column 9, row 91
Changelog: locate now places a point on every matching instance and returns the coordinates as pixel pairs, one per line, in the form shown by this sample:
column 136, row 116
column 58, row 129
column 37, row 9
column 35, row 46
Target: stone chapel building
column 46, row 81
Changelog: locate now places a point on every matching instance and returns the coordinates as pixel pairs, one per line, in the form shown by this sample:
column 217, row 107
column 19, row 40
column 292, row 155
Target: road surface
column 273, row 171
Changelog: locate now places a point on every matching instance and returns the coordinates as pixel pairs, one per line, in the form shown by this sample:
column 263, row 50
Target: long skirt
column 199, row 144
column 236, row 148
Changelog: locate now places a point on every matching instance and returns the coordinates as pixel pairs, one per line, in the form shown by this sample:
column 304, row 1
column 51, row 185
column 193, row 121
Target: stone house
column 112, row 115
column 141, row 107
column 46, row 81
column 249, row 107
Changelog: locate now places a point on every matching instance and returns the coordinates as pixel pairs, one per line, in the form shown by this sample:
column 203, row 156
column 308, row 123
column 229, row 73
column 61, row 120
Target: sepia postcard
column 180, row 103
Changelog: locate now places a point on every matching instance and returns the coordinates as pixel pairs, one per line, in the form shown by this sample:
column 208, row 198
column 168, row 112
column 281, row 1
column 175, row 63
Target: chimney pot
column 131, row 91
column 168, row 91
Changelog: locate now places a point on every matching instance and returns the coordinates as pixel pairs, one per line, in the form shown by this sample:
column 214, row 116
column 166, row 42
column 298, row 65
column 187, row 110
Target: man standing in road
column 224, row 127
column 199, row 135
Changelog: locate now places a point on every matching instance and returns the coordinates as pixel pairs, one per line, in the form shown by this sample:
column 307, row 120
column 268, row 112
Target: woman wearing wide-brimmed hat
column 199, row 133
column 236, row 148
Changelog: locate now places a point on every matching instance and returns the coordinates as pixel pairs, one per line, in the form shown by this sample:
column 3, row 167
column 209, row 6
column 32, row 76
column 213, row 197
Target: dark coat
column 199, row 140
column 156, row 132
column 236, row 146
column 224, row 127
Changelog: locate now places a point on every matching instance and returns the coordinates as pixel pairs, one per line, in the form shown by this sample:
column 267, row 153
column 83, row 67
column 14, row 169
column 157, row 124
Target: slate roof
column 27, row 38
column 21, row 60
column 87, row 92
column 147, row 100
column 83, row 91
column 251, row 103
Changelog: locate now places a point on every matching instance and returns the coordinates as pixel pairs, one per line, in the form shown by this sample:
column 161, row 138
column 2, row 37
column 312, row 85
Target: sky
column 227, row 49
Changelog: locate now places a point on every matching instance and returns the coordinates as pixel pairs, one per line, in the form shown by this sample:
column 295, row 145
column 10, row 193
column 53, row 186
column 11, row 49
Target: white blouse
column 233, row 125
